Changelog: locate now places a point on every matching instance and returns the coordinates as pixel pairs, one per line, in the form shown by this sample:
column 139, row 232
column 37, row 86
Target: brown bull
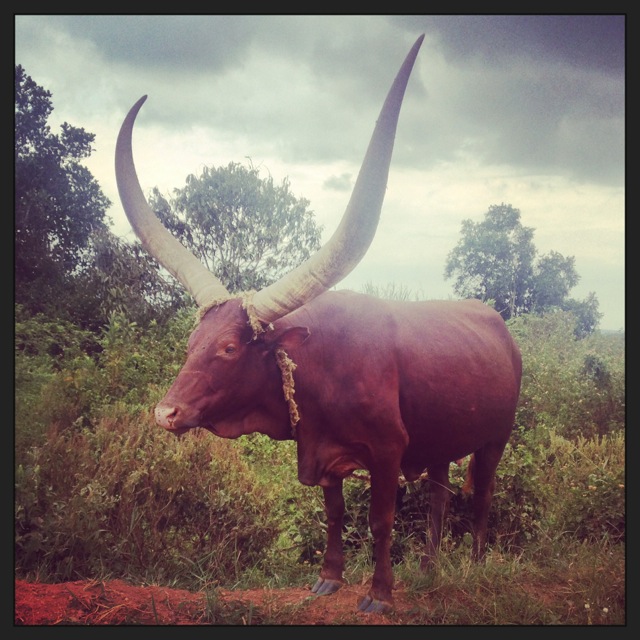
column 385, row 386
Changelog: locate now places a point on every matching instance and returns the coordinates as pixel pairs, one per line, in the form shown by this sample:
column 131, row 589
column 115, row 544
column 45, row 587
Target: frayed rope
column 287, row 367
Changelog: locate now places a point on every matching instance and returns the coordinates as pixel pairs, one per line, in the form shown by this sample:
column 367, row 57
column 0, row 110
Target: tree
column 58, row 203
column 68, row 264
column 585, row 312
column 125, row 279
column 555, row 276
column 494, row 260
column 247, row 230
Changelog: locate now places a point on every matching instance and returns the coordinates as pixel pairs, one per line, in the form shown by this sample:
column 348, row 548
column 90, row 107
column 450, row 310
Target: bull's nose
column 166, row 415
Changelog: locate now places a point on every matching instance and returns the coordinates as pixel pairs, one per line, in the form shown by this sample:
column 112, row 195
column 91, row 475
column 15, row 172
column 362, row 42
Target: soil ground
column 119, row 603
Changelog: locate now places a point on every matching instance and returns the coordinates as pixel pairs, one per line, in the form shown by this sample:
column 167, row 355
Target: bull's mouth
column 179, row 431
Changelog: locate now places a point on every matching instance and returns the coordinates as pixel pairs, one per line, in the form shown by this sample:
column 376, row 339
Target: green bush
column 576, row 386
column 43, row 348
column 129, row 499
column 587, row 478
column 77, row 386
column 101, row 490
column 545, row 485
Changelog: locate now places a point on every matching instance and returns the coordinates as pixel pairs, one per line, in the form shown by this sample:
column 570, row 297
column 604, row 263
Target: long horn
column 335, row 260
column 346, row 247
column 155, row 238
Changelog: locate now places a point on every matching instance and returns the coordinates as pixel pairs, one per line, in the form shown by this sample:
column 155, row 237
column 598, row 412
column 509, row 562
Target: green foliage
column 102, row 491
column 494, row 261
column 122, row 278
column 555, row 276
column 58, row 203
column 247, row 230
column 68, row 264
column 592, row 474
column 576, row 386
column 42, row 350
column 129, row 499
column 67, row 378
column 586, row 314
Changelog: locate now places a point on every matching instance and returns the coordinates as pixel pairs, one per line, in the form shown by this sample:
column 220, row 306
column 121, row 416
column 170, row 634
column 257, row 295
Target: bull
column 389, row 387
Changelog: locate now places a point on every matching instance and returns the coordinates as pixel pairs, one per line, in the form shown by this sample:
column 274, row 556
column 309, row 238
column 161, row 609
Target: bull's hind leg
column 384, row 485
column 439, row 493
column 483, row 463
column 330, row 579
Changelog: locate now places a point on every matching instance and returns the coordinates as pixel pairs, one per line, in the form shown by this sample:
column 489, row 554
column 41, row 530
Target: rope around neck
column 287, row 367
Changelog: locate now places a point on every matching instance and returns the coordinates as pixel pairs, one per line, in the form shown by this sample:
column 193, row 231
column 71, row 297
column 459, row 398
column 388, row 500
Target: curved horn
column 337, row 258
column 346, row 247
column 155, row 238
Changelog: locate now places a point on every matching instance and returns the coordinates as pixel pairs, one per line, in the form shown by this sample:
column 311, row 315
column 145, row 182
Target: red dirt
column 115, row 602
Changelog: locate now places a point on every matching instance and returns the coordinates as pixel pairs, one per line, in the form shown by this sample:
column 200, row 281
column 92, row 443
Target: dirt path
column 118, row 603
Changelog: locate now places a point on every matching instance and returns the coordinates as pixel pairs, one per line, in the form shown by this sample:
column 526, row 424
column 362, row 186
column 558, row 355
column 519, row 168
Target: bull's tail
column 467, row 487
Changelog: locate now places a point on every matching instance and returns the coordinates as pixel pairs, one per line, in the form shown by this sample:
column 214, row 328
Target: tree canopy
column 495, row 260
column 58, row 203
column 68, row 264
column 246, row 229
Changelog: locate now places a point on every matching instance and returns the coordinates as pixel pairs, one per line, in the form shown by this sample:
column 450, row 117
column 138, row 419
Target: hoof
column 325, row 586
column 369, row 605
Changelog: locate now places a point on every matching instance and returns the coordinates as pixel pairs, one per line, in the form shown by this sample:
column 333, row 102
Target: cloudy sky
column 521, row 110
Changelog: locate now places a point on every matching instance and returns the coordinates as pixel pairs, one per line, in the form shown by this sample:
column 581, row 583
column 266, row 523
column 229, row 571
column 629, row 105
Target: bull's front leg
column 384, row 484
column 330, row 579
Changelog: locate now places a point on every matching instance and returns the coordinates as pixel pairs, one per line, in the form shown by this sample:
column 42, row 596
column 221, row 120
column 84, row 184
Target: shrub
column 100, row 489
column 587, row 478
column 576, row 386
column 128, row 498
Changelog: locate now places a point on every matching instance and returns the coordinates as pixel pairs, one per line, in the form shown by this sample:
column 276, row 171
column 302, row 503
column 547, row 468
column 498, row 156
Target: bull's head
column 222, row 384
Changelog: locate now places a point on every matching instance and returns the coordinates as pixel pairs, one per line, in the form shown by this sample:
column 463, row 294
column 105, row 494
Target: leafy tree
column 585, row 312
column 68, row 263
column 247, row 230
column 124, row 279
column 58, row 203
column 555, row 276
column 494, row 260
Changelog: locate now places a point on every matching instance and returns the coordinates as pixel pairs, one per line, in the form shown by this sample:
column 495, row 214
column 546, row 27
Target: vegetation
column 68, row 264
column 102, row 492
column 494, row 261
column 247, row 230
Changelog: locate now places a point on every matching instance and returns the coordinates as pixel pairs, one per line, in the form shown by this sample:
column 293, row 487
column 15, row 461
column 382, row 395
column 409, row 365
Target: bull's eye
column 230, row 348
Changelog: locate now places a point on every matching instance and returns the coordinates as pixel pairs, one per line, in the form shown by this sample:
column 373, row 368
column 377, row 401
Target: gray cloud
column 536, row 91
column 524, row 109
column 594, row 42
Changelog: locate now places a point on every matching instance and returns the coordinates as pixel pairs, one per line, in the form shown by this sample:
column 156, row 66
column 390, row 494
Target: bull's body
column 385, row 386
column 402, row 384
column 379, row 385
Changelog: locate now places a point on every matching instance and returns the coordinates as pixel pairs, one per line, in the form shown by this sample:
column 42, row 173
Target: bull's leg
column 330, row 579
column 485, row 462
column 384, row 483
column 439, row 494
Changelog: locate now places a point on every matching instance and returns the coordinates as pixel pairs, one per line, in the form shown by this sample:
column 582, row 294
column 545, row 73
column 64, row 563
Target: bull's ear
column 288, row 338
